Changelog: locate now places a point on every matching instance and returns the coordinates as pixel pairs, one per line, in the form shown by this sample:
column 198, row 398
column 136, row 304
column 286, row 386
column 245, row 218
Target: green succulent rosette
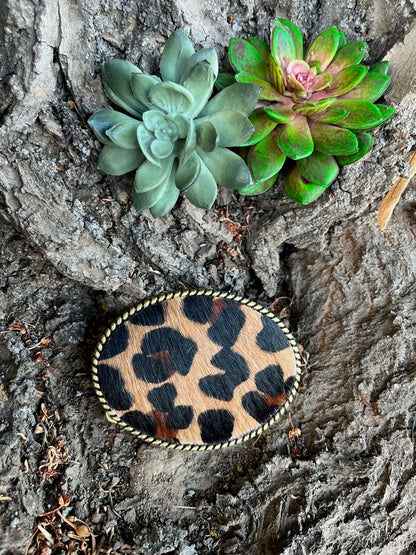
column 175, row 137
column 316, row 108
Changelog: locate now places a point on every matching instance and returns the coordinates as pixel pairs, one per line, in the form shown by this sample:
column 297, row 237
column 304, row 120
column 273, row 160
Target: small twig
column 393, row 196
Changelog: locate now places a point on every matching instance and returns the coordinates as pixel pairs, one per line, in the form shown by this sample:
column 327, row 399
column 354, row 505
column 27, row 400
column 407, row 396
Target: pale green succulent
column 177, row 138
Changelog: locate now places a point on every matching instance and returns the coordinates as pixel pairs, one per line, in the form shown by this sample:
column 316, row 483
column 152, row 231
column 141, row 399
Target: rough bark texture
column 74, row 254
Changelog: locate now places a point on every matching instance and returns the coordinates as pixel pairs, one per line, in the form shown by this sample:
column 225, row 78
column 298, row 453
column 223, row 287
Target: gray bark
column 74, row 254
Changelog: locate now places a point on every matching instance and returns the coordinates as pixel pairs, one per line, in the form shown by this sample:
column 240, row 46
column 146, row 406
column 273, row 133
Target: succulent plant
column 175, row 137
column 315, row 108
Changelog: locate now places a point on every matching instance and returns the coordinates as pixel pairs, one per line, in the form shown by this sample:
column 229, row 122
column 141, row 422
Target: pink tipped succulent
column 315, row 108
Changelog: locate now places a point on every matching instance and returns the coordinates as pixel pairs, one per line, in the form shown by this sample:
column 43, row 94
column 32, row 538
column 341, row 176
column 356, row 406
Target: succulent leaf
column 145, row 139
column 103, row 120
column 203, row 192
column 168, row 199
column 232, row 128
column 178, row 49
column 199, row 83
column 188, row 172
column 172, row 98
column 295, row 138
column 280, row 113
column 381, row 67
column 245, row 59
column 330, row 139
column 145, row 200
column 370, row 88
column 116, row 77
column 207, row 55
column 190, row 143
column 266, row 158
column 277, row 76
column 361, row 114
column 124, row 134
column 296, row 35
column 262, row 124
column 323, row 48
column 206, row 136
column 318, row 168
column 349, row 55
column 262, row 48
column 300, row 190
column 345, row 80
column 257, row 188
column 282, row 46
column 365, row 144
column 243, row 95
column 313, row 107
column 118, row 161
column 224, row 80
column 161, row 148
column 149, row 176
column 268, row 92
column 332, row 114
column 229, row 169
column 141, row 85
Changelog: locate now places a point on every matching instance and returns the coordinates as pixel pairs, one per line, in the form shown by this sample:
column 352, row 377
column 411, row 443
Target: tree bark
column 74, row 254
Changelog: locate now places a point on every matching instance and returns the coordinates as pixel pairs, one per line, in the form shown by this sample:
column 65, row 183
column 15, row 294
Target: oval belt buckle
column 196, row 370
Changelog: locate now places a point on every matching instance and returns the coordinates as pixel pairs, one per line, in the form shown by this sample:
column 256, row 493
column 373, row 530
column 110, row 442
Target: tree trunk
column 75, row 253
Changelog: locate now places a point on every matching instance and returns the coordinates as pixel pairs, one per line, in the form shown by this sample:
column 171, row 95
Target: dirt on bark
column 74, row 254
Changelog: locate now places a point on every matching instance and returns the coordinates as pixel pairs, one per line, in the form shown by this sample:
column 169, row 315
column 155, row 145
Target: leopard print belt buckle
column 196, row 370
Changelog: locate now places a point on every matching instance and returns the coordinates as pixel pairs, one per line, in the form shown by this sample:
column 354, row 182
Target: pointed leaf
column 233, row 128
column 224, row 80
column 277, row 76
column 282, row 46
column 207, row 55
column 318, row 168
column 256, row 188
column 361, row 114
column 370, row 88
column 240, row 97
column 190, row 143
column 346, row 80
column 262, row 48
column 145, row 200
column 349, row 55
column 168, row 200
column 262, row 126
column 387, row 112
column 245, row 58
column 331, row 139
column 124, row 134
column 141, row 85
column 280, row 113
column 323, row 48
column 172, row 98
column 365, row 144
column 268, row 92
column 265, row 159
column 229, row 169
column 206, row 136
column 116, row 77
column 322, row 81
column 203, row 191
column 149, row 176
column 103, row 120
column 295, row 34
column 178, row 49
column 199, row 83
column 332, row 114
column 295, row 138
column 311, row 108
column 118, row 161
column 188, row 172
column 299, row 190
column 381, row 67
